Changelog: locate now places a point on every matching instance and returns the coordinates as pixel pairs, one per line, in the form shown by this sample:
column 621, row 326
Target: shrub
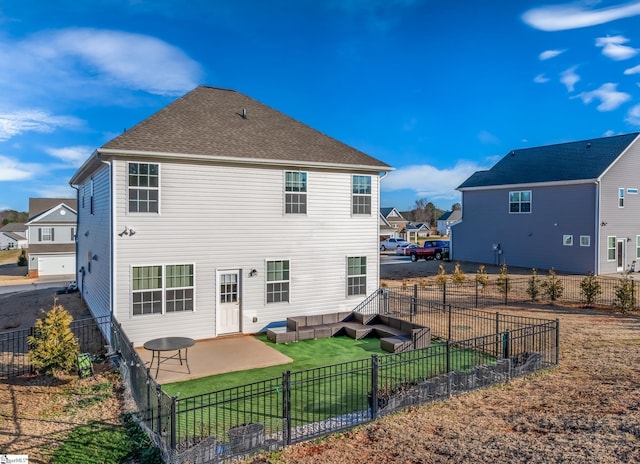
column 53, row 347
column 552, row 287
column 22, row 259
column 590, row 289
column 458, row 277
column 442, row 277
column 533, row 287
column 625, row 299
column 482, row 278
column 503, row 279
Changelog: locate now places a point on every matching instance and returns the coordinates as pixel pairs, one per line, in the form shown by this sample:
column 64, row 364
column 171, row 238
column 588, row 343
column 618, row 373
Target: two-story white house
column 52, row 237
column 220, row 215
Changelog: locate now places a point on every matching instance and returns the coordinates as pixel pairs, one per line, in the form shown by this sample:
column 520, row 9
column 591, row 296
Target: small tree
column 533, row 287
column 590, row 289
column 458, row 276
column 22, row 259
column 552, row 286
column 503, row 279
column 442, row 276
column 53, row 346
column 482, row 278
column 625, row 299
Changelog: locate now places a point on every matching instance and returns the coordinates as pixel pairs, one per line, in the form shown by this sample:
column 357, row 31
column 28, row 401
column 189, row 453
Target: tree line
column 425, row 211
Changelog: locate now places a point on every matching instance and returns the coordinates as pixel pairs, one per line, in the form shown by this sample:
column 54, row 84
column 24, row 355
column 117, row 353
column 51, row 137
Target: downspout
column 76, row 271
column 596, row 265
column 112, row 290
column 380, row 177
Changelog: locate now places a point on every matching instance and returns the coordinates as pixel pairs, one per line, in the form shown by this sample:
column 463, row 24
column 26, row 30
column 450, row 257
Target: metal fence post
column 286, row 406
column 374, row 386
column 506, row 291
column 444, row 293
column 557, row 342
column 173, row 423
column 449, row 325
column 449, row 392
column 497, row 333
column 506, row 349
column 414, row 303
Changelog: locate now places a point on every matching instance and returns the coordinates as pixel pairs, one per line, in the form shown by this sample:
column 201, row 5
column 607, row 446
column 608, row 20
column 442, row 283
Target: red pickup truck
column 432, row 249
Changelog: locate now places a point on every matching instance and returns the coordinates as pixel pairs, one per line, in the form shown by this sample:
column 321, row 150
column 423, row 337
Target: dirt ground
column 587, row 410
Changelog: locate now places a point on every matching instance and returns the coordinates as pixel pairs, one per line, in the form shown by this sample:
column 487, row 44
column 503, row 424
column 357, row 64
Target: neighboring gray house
column 448, row 219
column 163, row 238
column 13, row 236
column 52, row 237
column 573, row 206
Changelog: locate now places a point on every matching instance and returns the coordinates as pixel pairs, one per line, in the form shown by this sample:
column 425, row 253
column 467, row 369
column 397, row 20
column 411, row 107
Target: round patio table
column 159, row 346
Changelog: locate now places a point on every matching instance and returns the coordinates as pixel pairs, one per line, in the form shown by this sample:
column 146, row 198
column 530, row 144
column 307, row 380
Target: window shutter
column 39, row 234
column 52, row 231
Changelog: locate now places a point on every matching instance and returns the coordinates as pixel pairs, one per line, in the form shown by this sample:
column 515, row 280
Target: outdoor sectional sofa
column 395, row 334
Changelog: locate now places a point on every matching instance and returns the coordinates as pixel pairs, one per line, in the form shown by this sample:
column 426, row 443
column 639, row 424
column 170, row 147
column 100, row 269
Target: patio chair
column 85, row 366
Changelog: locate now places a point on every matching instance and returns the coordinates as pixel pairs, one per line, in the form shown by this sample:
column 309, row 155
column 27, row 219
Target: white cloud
column 429, row 181
column 577, row 15
column 73, row 156
column 540, row 79
column 633, row 116
column 91, row 65
column 548, row 54
column 634, row 70
column 609, row 97
column 613, row 47
column 18, row 122
column 569, row 78
column 12, row 170
column 55, row 191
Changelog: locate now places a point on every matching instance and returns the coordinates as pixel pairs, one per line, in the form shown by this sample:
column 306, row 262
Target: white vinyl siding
column 200, row 224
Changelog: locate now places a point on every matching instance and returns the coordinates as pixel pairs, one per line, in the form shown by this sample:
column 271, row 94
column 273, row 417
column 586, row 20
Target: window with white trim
column 147, row 290
column 144, row 187
column 585, row 240
column 179, row 288
column 361, row 195
column 620, row 198
column 611, row 248
column 45, row 234
column 162, row 289
column 520, row 201
column 637, row 246
column 277, row 281
column 295, row 192
column 357, row 275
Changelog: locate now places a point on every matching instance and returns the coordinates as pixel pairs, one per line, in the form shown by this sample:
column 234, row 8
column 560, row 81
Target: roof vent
column 244, row 113
column 588, row 144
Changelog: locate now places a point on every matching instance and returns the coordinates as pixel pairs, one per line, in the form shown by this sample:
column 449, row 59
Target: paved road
column 7, row 289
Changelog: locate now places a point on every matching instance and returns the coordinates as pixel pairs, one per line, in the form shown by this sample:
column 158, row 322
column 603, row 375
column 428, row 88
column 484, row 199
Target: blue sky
column 436, row 89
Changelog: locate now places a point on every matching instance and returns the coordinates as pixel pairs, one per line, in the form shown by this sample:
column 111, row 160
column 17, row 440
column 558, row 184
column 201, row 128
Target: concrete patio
column 216, row 356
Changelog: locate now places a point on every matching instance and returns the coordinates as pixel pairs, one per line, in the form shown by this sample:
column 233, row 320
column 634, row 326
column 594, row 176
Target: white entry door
column 228, row 299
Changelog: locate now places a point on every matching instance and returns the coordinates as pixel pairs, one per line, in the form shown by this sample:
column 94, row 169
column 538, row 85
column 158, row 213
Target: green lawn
column 305, row 354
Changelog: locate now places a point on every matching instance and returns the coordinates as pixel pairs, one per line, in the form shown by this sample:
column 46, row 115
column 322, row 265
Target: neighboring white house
column 52, row 237
column 13, row 236
column 416, row 230
column 448, row 219
column 167, row 236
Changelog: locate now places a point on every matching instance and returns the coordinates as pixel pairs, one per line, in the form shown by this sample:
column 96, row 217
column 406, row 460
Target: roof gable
column 38, row 206
column 60, row 213
column 214, row 122
column 574, row 161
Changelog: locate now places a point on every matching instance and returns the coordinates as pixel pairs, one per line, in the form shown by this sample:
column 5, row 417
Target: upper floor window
column 520, row 202
column 45, row 234
column 361, row 195
column 357, row 275
column 144, row 187
column 621, row 198
column 277, row 281
column 295, row 196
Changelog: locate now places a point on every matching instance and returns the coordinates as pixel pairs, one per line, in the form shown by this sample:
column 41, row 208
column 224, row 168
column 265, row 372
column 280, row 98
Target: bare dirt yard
column 587, row 410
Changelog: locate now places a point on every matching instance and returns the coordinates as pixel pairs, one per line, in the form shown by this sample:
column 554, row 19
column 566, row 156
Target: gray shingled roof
column 583, row 160
column 38, row 206
column 209, row 122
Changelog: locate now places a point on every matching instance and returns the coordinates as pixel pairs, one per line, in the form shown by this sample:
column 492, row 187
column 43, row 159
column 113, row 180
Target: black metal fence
column 471, row 349
column 14, row 348
column 518, row 289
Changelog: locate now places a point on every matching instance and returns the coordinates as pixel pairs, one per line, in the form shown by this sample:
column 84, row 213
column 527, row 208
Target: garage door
column 56, row 265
